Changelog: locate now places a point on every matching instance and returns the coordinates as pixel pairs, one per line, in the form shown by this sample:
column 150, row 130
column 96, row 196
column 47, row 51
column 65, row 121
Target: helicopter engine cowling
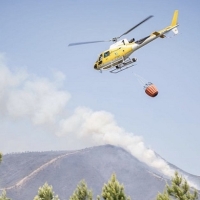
column 132, row 40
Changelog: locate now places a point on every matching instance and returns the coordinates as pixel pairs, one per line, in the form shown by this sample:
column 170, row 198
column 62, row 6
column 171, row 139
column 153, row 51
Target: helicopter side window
column 106, row 54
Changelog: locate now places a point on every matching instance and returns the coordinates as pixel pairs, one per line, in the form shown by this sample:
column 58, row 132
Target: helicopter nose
column 95, row 66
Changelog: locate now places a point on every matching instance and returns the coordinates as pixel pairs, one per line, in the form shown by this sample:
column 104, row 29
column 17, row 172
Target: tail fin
column 175, row 19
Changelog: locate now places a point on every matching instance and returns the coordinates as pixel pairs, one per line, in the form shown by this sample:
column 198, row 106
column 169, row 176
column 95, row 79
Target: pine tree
column 46, row 193
column 0, row 157
column 82, row 192
column 113, row 190
column 179, row 189
column 3, row 196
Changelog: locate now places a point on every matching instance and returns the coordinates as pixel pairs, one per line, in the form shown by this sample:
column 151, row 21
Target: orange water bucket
column 151, row 90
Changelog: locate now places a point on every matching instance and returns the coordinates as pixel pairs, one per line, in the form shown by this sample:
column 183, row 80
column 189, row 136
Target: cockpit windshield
column 100, row 58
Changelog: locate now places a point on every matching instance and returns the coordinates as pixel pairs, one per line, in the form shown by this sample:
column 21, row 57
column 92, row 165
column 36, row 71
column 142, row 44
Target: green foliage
column 46, row 193
column 0, row 157
column 164, row 196
column 98, row 197
column 3, row 196
column 179, row 189
column 113, row 190
column 82, row 192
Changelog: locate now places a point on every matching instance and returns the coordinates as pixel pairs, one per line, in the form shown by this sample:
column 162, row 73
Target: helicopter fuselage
column 119, row 52
column 118, row 55
column 115, row 55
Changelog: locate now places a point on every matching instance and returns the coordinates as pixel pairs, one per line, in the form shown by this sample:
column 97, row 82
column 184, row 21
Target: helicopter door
column 117, row 53
column 106, row 55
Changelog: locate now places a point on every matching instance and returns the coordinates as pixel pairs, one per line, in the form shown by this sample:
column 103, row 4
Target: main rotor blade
column 80, row 43
column 136, row 25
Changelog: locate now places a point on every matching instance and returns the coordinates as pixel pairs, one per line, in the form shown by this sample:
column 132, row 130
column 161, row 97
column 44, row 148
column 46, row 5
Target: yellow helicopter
column 116, row 58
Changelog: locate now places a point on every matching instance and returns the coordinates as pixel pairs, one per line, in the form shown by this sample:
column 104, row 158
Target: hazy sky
column 51, row 98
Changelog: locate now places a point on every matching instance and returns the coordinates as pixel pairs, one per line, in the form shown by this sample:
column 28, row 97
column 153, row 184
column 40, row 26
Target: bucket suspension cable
column 141, row 80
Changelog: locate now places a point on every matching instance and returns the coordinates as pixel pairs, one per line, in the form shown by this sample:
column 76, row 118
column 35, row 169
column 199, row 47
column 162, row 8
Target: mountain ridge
column 64, row 169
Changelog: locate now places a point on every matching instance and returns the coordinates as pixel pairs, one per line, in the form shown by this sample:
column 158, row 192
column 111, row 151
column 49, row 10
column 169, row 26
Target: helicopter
column 117, row 57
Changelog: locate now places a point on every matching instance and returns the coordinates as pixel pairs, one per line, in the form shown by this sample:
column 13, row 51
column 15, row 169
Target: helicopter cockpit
column 99, row 61
column 100, row 58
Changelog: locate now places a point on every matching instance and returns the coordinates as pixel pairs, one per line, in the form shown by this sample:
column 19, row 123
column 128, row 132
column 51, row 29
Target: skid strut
column 123, row 66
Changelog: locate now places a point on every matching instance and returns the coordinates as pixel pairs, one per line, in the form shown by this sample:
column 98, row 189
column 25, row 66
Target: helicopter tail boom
column 172, row 27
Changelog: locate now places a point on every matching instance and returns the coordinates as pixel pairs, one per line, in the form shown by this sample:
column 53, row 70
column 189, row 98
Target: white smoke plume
column 26, row 96
column 100, row 128
column 42, row 101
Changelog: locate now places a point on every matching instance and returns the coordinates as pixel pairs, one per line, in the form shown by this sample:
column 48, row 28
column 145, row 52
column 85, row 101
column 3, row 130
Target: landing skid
column 117, row 70
column 123, row 66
